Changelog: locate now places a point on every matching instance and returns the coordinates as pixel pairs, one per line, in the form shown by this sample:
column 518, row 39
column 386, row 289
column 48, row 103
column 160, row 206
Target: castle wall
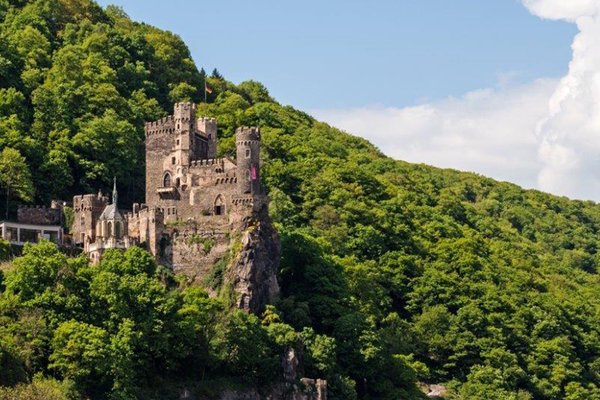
column 208, row 127
column 203, row 188
column 194, row 248
column 87, row 209
column 147, row 226
column 36, row 215
column 159, row 142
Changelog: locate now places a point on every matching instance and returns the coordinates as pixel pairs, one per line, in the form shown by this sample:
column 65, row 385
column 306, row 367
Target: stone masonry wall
column 146, row 226
column 194, row 248
column 38, row 215
column 158, row 146
column 87, row 209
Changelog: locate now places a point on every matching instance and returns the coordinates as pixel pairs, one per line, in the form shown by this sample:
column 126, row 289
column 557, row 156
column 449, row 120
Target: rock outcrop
column 253, row 273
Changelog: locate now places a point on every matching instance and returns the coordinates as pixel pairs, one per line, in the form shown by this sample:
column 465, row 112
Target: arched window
column 219, row 205
column 110, row 231
column 167, row 180
column 117, row 230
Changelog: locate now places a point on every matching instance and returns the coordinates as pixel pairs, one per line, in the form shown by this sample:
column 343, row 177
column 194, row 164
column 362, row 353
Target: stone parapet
column 39, row 215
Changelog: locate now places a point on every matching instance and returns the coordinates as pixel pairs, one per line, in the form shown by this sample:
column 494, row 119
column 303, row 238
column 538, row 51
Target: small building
column 111, row 231
column 34, row 223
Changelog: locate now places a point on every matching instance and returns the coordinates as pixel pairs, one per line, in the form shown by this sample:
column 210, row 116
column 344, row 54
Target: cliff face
column 243, row 255
column 253, row 272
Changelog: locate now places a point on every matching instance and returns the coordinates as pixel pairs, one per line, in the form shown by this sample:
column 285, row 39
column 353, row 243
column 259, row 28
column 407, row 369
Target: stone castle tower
column 196, row 204
column 185, row 179
column 248, row 160
column 87, row 209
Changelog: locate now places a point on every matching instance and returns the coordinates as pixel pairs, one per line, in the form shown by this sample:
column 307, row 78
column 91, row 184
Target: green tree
column 15, row 177
column 243, row 348
column 81, row 352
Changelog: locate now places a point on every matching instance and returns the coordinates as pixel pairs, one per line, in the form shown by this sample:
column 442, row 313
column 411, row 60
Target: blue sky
column 317, row 54
column 504, row 88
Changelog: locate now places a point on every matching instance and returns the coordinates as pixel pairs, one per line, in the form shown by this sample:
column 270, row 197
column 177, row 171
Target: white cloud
column 490, row 131
column 570, row 133
column 545, row 134
column 569, row 10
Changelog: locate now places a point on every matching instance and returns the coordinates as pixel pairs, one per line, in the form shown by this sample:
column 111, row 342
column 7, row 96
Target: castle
column 189, row 191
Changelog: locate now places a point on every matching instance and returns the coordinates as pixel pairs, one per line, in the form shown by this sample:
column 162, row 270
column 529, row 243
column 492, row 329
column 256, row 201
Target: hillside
column 391, row 273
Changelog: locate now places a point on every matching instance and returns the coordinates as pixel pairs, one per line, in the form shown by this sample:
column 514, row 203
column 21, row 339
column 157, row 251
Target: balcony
column 166, row 190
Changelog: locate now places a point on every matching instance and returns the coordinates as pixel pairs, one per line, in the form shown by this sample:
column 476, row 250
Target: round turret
column 247, row 133
column 248, row 160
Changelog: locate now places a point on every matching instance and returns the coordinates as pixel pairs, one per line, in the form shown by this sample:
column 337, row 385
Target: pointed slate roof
column 111, row 211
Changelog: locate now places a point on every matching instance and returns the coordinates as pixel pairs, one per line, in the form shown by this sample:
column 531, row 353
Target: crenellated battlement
column 209, row 162
column 36, row 207
column 89, row 201
column 163, row 126
column 184, row 112
column 208, row 120
column 89, row 197
column 226, row 181
column 242, row 200
column 142, row 211
column 247, row 133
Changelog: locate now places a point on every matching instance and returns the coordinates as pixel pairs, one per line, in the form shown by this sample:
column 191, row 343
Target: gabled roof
column 111, row 212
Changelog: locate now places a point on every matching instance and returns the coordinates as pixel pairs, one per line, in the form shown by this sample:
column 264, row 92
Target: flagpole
column 205, row 90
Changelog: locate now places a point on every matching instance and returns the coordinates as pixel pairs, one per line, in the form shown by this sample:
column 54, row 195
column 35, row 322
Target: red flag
column 254, row 173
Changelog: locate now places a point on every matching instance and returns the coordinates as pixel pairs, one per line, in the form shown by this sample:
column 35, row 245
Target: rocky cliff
column 253, row 272
column 242, row 255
